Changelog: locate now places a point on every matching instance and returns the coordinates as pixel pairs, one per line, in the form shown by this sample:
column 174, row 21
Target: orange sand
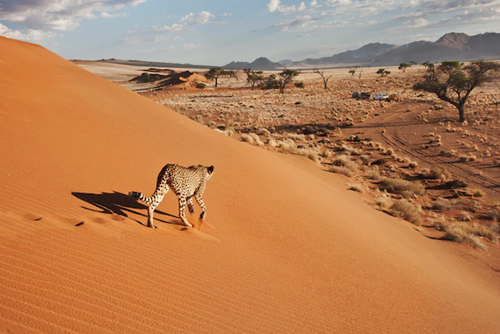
column 284, row 249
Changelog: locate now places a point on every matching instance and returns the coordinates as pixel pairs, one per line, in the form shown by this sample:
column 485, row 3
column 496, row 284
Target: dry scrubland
column 410, row 158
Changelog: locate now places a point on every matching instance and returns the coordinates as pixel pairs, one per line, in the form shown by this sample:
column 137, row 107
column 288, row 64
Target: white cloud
column 190, row 19
column 43, row 17
column 273, row 5
column 106, row 15
column 187, row 46
column 173, row 27
column 340, row 3
column 130, row 38
column 201, row 18
column 416, row 23
column 298, row 22
column 163, row 38
column 26, row 35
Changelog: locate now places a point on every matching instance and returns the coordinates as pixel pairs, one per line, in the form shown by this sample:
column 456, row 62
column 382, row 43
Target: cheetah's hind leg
column 190, row 204
column 182, row 211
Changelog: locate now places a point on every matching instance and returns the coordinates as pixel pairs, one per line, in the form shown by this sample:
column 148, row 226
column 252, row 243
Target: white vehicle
column 381, row 96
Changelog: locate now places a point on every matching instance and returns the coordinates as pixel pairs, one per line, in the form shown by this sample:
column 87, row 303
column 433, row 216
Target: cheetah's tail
column 140, row 196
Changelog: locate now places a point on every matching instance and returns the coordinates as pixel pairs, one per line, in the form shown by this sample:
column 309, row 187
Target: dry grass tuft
column 355, row 187
column 345, row 161
column 477, row 193
column 247, row 138
column 374, row 174
column 441, row 205
column 384, row 201
column 288, row 146
column 471, row 233
column 252, row 138
column 399, row 186
column 436, row 173
column 341, row 170
column 406, row 210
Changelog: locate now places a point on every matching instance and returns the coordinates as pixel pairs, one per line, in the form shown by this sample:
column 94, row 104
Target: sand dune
column 284, row 249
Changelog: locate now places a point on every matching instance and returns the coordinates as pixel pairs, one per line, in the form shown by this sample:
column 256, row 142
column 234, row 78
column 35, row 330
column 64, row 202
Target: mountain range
column 451, row 46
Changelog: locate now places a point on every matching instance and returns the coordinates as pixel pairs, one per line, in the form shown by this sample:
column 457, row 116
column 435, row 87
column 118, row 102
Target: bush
column 299, row 84
column 200, row 85
column 407, row 211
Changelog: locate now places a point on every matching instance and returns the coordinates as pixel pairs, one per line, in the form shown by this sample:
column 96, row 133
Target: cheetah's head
column 210, row 171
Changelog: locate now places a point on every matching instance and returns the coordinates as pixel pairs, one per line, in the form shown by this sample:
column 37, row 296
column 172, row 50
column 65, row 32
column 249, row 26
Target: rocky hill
column 261, row 63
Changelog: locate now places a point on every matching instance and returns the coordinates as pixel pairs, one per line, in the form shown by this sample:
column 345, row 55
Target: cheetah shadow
column 120, row 204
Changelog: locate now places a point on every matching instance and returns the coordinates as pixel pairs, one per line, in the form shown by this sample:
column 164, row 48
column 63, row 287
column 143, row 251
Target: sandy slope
column 285, row 248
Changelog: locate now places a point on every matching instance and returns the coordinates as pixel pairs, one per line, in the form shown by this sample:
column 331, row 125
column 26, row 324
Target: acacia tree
column 254, row 77
column 352, row 70
column 284, row 78
column 214, row 74
column 452, row 82
column 217, row 72
column 403, row 67
column 430, row 69
column 383, row 72
column 323, row 77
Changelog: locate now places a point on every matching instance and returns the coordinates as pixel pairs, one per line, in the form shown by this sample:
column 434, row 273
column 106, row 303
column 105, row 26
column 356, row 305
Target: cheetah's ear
column 210, row 169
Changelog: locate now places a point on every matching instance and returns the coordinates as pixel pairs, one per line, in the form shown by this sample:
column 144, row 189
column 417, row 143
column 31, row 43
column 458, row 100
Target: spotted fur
column 186, row 182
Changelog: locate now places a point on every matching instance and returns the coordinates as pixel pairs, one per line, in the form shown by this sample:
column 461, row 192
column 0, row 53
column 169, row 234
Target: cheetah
column 186, row 182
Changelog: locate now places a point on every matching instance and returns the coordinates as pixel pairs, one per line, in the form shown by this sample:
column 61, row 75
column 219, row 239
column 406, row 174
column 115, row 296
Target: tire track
column 396, row 141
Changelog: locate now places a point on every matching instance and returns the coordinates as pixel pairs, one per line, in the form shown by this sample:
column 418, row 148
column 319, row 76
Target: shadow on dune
column 120, row 204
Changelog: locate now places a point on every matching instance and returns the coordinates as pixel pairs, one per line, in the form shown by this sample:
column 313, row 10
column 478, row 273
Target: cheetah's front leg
column 182, row 211
column 199, row 199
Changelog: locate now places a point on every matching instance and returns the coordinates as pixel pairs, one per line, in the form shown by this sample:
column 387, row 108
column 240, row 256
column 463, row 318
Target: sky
column 216, row 32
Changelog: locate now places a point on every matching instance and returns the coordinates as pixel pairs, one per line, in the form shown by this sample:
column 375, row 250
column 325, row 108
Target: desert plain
column 301, row 234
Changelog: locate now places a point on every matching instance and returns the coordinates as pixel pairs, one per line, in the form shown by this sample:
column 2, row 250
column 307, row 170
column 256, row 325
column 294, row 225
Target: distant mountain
column 364, row 55
column 451, row 46
column 285, row 62
column 454, row 41
column 261, row 63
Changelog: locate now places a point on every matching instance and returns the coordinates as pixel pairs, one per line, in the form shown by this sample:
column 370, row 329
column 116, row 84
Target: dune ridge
column 284, row 249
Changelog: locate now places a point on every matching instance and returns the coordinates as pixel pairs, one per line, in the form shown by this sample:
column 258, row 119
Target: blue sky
column 217, row 32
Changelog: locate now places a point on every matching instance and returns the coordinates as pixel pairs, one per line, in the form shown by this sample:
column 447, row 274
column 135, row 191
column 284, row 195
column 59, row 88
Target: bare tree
column 323, row 77
column 452, row 82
